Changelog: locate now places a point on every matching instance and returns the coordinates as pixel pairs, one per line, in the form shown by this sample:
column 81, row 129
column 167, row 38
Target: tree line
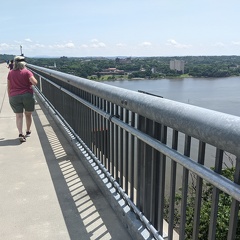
column 143, row 67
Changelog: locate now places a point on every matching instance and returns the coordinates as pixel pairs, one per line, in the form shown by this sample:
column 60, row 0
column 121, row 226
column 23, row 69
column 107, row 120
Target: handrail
column 127, row 134
column 218, row 129
column 213, row 178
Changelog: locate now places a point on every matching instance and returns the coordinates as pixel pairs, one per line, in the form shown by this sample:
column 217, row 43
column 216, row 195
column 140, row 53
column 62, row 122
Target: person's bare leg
column 19, row 122
column 28, row 116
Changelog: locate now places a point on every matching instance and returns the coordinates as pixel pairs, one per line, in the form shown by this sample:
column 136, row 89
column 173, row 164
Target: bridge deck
column 46, row 192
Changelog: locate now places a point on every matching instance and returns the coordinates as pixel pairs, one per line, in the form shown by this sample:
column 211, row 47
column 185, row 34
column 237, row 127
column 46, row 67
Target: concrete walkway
column 46, row 192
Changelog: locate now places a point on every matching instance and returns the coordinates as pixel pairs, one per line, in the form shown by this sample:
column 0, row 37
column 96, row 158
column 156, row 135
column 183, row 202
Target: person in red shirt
column 20, row 92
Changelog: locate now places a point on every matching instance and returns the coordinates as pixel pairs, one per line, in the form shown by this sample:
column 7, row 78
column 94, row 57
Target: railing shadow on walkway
column 82, row 204
column 9, row 142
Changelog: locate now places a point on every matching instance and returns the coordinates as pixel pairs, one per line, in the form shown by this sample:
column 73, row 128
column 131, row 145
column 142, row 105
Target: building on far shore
column 177, row 65
column 112, row 71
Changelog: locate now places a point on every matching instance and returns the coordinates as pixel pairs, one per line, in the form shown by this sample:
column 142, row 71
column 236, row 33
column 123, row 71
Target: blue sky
column 80, row 28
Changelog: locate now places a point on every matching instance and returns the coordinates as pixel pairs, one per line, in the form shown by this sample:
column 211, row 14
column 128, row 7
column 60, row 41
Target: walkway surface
column 46, row 192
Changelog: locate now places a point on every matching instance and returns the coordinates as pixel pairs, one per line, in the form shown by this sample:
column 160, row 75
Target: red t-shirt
column 19, row 82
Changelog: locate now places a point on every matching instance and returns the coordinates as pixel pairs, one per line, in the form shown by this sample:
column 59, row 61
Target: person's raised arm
column 33, row 80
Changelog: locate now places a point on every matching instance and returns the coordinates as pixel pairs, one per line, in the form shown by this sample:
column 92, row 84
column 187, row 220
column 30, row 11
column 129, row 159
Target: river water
column 219, row 94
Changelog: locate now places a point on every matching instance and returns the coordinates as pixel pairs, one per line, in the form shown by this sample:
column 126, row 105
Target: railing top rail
column 216, row 128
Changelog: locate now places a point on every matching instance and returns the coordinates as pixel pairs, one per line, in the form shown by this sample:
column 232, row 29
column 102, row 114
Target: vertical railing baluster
column 95, row 128
column 116, row 147
column 148, row 160
column 108, row 133
column 187, row 147
column 99, row 117
column 173, row 175
column 162, row 174
column 101, row 132
column 141, row 149
column 132, row 158
column 154, row 173
column 120, row 156
column 234, row 220
column 40, row 84
column 156, row 207
column 89, row 129
column 112, row 137
column 91, row 125
column 199, row 183
column 79, row 120
column 126, row 153
column 104, row 120
column 215, row 197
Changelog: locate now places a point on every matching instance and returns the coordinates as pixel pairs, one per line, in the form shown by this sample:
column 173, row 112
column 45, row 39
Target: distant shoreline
column 108, row 78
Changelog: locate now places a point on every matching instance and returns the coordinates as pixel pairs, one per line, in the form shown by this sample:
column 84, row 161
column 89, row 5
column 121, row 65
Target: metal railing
column 154, row 151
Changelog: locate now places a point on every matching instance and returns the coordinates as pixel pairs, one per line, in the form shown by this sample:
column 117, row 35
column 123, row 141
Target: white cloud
column 145, row 44
column 35, row 46
column 101, row 44
column 70, row 45
column 39, row 45
column 94, row 40
column 172, row 42
column 62, row 46
column 97, row 44
column 236, row 43
column 219, row 44
column 28, row 40
column 4, row 45
column 8, row 47
column 120, row 45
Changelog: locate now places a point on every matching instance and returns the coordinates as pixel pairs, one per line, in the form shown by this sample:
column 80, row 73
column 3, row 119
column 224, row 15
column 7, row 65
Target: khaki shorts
column 22, row 102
